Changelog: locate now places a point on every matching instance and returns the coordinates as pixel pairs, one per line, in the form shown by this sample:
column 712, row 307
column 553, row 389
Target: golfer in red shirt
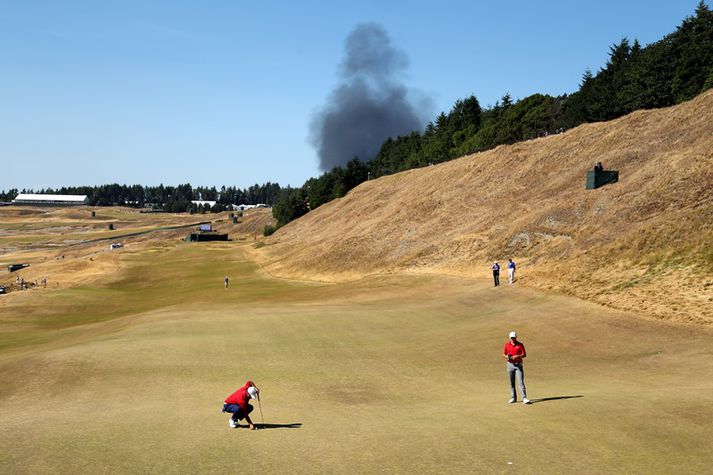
column 514, row 353
column 237, row 404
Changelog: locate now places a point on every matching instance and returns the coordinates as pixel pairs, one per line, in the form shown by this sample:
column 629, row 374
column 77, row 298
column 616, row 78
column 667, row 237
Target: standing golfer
column 496, row 273
column 514, row 353
column 226, row 280
column 511, row 271
column 237, row 404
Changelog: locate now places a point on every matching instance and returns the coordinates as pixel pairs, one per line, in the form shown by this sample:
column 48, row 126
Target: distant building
column 31, row 199
column 246, row 207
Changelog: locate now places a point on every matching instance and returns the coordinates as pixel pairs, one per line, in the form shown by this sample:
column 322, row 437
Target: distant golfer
column 511, row 271
column 226, row 281
column 496, row 273
column 514, row 353
column 237, row 404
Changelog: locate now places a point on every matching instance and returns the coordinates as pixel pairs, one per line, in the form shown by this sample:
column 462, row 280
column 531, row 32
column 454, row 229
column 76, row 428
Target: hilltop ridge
column 642, row 244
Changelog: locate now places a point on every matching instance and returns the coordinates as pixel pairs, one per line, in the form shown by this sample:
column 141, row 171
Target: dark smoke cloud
column 369, row 104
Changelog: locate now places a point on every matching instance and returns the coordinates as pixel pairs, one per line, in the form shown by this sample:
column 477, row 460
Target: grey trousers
column 513, row 371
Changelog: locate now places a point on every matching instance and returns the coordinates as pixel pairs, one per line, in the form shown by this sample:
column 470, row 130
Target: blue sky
column 223, row 92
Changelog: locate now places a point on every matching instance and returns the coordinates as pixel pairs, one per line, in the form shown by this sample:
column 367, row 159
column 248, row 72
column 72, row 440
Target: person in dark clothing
column 511, row 271
column 237, row 405
column 496, row 273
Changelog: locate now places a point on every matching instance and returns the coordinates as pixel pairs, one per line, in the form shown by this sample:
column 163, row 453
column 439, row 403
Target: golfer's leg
column 521, row 381
column 511, row 377
column 234, row 410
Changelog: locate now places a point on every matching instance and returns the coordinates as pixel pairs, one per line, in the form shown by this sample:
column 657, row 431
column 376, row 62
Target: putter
column 259, row 404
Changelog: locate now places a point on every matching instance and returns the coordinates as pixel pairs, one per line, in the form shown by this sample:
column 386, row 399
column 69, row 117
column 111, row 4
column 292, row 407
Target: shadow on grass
column 554, row 398
column 292, row 425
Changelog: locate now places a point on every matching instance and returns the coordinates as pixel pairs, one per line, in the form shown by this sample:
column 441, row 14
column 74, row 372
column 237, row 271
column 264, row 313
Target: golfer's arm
column 247, row 418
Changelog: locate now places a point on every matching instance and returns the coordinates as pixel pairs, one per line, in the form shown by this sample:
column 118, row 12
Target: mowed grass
column 389, row 374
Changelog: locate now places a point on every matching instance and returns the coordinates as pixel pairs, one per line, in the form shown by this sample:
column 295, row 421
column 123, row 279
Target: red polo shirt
column 516, row 350
column 240, row 397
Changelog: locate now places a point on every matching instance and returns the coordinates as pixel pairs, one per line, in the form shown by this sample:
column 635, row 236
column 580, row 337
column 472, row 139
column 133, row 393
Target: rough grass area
column 528, row 201
column 397, row 373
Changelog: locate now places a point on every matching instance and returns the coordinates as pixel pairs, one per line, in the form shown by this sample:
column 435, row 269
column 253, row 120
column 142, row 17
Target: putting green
column 395, row 373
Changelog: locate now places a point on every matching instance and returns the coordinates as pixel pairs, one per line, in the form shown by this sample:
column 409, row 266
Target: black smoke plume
column 369, row 104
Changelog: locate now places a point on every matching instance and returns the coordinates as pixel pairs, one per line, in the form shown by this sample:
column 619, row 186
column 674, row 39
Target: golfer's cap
column 513, row 335
column 252, row 391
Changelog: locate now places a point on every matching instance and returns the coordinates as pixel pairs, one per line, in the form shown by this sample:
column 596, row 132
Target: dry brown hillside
column 254, row 220
column 644, row 244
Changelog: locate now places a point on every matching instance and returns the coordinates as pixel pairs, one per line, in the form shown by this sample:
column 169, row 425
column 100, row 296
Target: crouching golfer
column 514, row 353
column 237, row 404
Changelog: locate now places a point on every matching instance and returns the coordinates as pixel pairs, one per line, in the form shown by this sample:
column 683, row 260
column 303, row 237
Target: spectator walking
column 511, row 271
column 496, row 273
column 514, row 352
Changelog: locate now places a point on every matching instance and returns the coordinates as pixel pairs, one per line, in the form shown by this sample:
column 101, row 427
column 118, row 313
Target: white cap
column 252, row 391
column 513, row 335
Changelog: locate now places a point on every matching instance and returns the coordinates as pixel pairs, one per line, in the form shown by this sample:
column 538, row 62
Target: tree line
column 667, row 72
column 168, row 198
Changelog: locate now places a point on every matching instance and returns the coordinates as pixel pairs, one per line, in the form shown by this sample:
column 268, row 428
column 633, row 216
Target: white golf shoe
column 526, row 401
column 513, row 400
column 232, row 424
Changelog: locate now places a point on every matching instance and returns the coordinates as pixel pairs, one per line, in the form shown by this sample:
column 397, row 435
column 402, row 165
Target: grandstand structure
column 32, row 199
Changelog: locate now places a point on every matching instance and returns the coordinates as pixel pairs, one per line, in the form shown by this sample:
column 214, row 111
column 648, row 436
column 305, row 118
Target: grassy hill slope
column 642, row 244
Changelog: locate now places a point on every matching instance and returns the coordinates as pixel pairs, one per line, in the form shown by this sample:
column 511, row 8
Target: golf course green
column 393, row 373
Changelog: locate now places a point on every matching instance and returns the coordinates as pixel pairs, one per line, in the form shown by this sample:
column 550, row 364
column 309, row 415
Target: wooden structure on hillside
column 14, row 267
column 202, row 237
column 206, row 233
column 600, row 177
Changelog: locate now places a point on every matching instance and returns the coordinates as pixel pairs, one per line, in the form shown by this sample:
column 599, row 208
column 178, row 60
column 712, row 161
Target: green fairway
column 396, row 373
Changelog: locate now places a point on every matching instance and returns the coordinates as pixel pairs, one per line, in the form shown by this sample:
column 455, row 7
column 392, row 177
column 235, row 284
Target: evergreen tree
column 291, row 204
column 693, row 50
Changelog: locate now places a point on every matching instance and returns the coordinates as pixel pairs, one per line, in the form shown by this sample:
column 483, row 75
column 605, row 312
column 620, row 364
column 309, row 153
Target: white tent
column 53, row 200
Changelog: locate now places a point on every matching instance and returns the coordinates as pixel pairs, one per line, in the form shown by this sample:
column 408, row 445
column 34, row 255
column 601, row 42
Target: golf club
column 259, row 404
